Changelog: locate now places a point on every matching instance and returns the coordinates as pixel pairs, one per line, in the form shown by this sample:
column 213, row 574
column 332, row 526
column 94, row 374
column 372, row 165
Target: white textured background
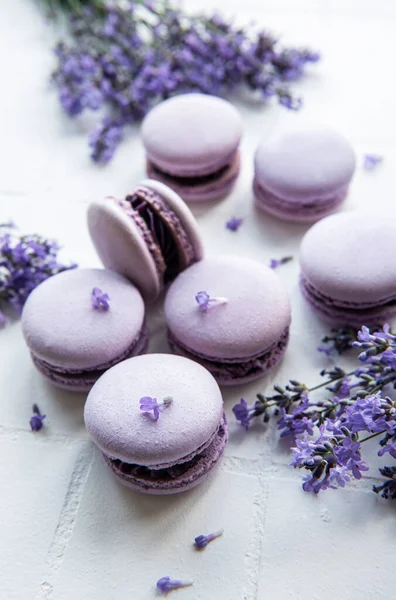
column 68, row 531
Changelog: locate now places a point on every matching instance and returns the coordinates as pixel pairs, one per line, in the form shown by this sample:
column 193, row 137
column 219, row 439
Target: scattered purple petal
column 274, row 263
column 371, row 161
column 233, row 224
column 201, row 541
column 205, row 302
column 99, row 299
column 37, row 420
column 148, row 404
column 166, row 584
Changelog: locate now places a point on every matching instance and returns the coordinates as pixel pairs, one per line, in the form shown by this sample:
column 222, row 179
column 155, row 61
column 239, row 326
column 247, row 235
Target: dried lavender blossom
column 205, row 301
column 37, row 420
column 275, row 263
column 25, row 262
column 201, row 541
column 113, row 60
column 148, row 404
column 371, row 161
column 233, row 224
column 166, row 584
column 100, row 300
column 356, row 409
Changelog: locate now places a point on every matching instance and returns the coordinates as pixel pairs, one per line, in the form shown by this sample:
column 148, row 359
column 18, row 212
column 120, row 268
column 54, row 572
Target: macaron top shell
column 255, row 316
column 121, row 430
column 192, row 132
column 351, row 257
column 304, row 164
column 62, row 328
column 121, row 246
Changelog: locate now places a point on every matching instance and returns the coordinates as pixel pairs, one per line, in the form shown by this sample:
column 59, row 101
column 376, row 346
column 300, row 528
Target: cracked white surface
column 68, row 530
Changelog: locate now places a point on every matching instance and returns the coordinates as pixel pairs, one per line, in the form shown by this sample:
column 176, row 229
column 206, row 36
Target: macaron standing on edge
column 149, row 237
column 231, row 315
column 303, row 176
column 348, row 268
column 191, row 143
column 73, row 338
column 167, row 450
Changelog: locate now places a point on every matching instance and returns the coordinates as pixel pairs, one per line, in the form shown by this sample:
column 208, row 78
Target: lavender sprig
column 25, row 262
column 125, row 59
column 355, row 410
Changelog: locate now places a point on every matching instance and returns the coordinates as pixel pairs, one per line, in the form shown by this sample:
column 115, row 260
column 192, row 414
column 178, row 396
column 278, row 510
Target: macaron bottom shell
column 82, row 381
column 180, row 477
column 347, row 313
column 235, row 372
column 298, row 210
column 200, row 188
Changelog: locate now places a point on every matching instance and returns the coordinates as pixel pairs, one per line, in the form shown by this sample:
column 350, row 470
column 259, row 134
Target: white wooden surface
column 68, row 531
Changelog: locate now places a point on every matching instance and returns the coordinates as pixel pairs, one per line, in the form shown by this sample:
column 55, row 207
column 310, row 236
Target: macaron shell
column 350, row 257
column 181, row 210
column 305, row 164
column 191, row 130
column 255, row 316
column 62, row 328
column 120, row 246
column 121, row 430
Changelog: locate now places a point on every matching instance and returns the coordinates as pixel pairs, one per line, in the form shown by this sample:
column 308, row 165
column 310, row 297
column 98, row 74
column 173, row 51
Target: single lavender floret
column 244, row 413
column 233, row 224
column 275, row 263
column 371, row 161
column 201, row 541
column 148, row 404
column 205, row 302
column 99, row 299
column 166, row 584
column 37, row 420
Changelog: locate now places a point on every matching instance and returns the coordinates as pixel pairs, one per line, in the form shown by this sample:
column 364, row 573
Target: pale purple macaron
column 230, row 314
column 191, row 143
column 170, row 448
column 348, row 268
column 303, row 175
column 74, row 332
column 149, row 236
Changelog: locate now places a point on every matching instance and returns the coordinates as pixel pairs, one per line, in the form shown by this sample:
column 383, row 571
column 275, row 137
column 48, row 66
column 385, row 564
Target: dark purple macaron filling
column 84, row 379
column 242, row 369
column 346, row 312
column 163, row 232
column 184, row 473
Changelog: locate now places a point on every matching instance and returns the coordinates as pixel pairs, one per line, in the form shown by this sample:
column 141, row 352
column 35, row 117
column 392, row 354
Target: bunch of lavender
column 329, row 432
column 121, row 60
column 25, row 261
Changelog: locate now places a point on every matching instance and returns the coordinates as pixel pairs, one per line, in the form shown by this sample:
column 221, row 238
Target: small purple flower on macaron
column 36, row 421
column 166, row 584
column 371, row 161
column 99, row 299
column 201, row 541
column 205, row 301
column 233, row 224
column 275, row 263
column 148, row 404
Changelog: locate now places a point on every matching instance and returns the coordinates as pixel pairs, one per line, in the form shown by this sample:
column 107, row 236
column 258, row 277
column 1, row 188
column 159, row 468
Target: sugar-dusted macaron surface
column 73, row 338
column 166, row 452
column 348, row 268
column 232, row 315
column 303, row 175
column 191, row 143
column 149, row 236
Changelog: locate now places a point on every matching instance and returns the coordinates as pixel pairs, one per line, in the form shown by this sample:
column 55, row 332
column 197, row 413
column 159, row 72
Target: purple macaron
column 159, row 422
column 303, row 176
column 191, row 143
column 231, row 315
column 80, row 322
column 149, row 237
column 348, row 268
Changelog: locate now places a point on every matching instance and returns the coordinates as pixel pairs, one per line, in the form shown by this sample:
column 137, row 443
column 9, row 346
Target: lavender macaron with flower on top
column 191, row 143
column 303, row 175
column 81, row 322
column 159, row 422
column 348, row 268
column 230, row 314
column 149, row 236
